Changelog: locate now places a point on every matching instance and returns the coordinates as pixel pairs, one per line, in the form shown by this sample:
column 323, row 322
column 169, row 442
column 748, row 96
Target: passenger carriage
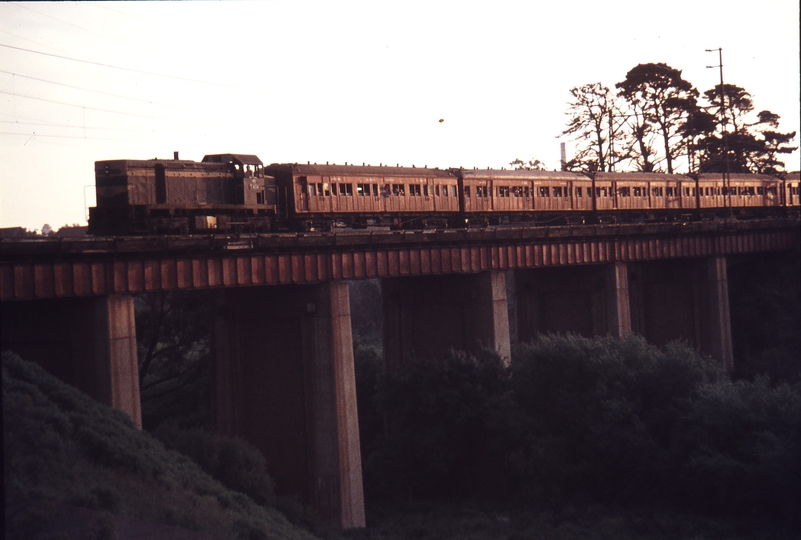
column 503, row 196
column 319, row 197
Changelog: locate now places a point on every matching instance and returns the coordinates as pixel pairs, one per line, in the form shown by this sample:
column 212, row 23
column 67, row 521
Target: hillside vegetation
column 61, row 446
column 576, row 424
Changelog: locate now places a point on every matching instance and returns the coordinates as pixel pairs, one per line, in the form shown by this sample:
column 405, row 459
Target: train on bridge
column 238, row 193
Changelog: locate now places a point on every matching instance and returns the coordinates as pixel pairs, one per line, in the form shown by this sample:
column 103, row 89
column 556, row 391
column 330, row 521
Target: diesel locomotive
column 238, row 193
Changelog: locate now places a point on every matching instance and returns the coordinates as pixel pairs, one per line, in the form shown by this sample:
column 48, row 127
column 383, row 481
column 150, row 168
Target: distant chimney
column 175, row 155
column 564, row 156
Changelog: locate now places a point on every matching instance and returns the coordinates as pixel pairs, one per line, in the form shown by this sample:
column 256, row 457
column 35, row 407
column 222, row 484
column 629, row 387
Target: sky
column 437, row 84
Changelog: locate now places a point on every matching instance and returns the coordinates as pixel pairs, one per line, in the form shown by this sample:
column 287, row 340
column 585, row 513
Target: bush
column 600, row 413
column 622, row 420
column 740, row 444
column 576, row 420
column 61, row 446
column 447, row 426
column 233, row 462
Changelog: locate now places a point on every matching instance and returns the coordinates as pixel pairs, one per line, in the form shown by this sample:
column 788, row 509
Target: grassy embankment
column 62, row 446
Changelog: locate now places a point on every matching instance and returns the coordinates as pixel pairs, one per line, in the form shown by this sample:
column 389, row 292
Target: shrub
column 59, row 445
column 576, row 420
column 233, row 462
column 620, row 419
column 447, row 426
column 740, row 444
column 369, row 365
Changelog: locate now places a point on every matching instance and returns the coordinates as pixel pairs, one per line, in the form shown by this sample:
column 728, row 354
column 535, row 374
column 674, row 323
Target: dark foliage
column 447, row 425
column 367, row 318
column 233, row 462
column 174, row 346
column 369, row 367
column 61, row 446
column 659, row 119
column 577, row 421
column 765, row 302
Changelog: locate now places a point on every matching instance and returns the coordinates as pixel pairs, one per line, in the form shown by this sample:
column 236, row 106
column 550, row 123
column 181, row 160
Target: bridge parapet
column 55, row 268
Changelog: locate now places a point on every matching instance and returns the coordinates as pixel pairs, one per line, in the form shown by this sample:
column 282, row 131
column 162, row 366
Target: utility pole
column 726, row 175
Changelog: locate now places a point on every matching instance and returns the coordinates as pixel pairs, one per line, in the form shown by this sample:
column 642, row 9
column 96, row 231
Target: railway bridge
column 284, row 375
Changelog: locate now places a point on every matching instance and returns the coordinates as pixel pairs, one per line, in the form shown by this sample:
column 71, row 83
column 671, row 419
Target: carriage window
column 375, row 190
column 557, row 191
column 414, row 190
column 312, row 190
column 771, row 190
column 526, row 192
column 503, row 192
column 453, row 191
column 518, row 192
column 578, row 192
column 625, row 192
column 545, row 191
column 467, row 191
column 398, row 190
column 260, row 197
column 425, row 190
column 436, row 191
column 361, row 189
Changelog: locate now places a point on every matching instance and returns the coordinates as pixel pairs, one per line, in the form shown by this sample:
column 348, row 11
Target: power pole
column 723, row 124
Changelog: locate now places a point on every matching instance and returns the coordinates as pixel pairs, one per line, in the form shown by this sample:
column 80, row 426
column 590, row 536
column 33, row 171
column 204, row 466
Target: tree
column 659, row 101
column 532, row 164
column 595, row 121
column 734, row 144
column 173, row 340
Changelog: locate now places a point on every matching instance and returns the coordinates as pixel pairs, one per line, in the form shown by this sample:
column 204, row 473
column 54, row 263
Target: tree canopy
column 659, row 122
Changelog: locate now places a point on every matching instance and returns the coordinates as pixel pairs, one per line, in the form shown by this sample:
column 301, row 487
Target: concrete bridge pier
column 432, row 314
column 285, row 382
column 89, row 343
column 590, row 300
column 684, row 299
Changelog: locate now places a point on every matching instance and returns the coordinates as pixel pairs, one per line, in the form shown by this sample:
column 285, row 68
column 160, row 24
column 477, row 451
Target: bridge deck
column 95, row 266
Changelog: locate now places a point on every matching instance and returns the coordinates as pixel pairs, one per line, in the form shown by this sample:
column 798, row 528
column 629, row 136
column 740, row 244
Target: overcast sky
column 342, row 81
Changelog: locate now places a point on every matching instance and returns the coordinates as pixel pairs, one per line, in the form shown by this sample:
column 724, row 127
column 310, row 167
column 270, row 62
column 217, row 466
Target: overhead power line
column 35, row 135
column 101, row 64
column 88, row 128
column 89, row 108
column 140, row 100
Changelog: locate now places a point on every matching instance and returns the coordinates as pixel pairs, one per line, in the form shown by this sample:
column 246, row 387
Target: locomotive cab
column 251, row 188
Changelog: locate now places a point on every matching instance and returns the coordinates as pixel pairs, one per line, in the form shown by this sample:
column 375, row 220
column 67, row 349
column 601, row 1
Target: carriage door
column 161, row 185
column 304, row 193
